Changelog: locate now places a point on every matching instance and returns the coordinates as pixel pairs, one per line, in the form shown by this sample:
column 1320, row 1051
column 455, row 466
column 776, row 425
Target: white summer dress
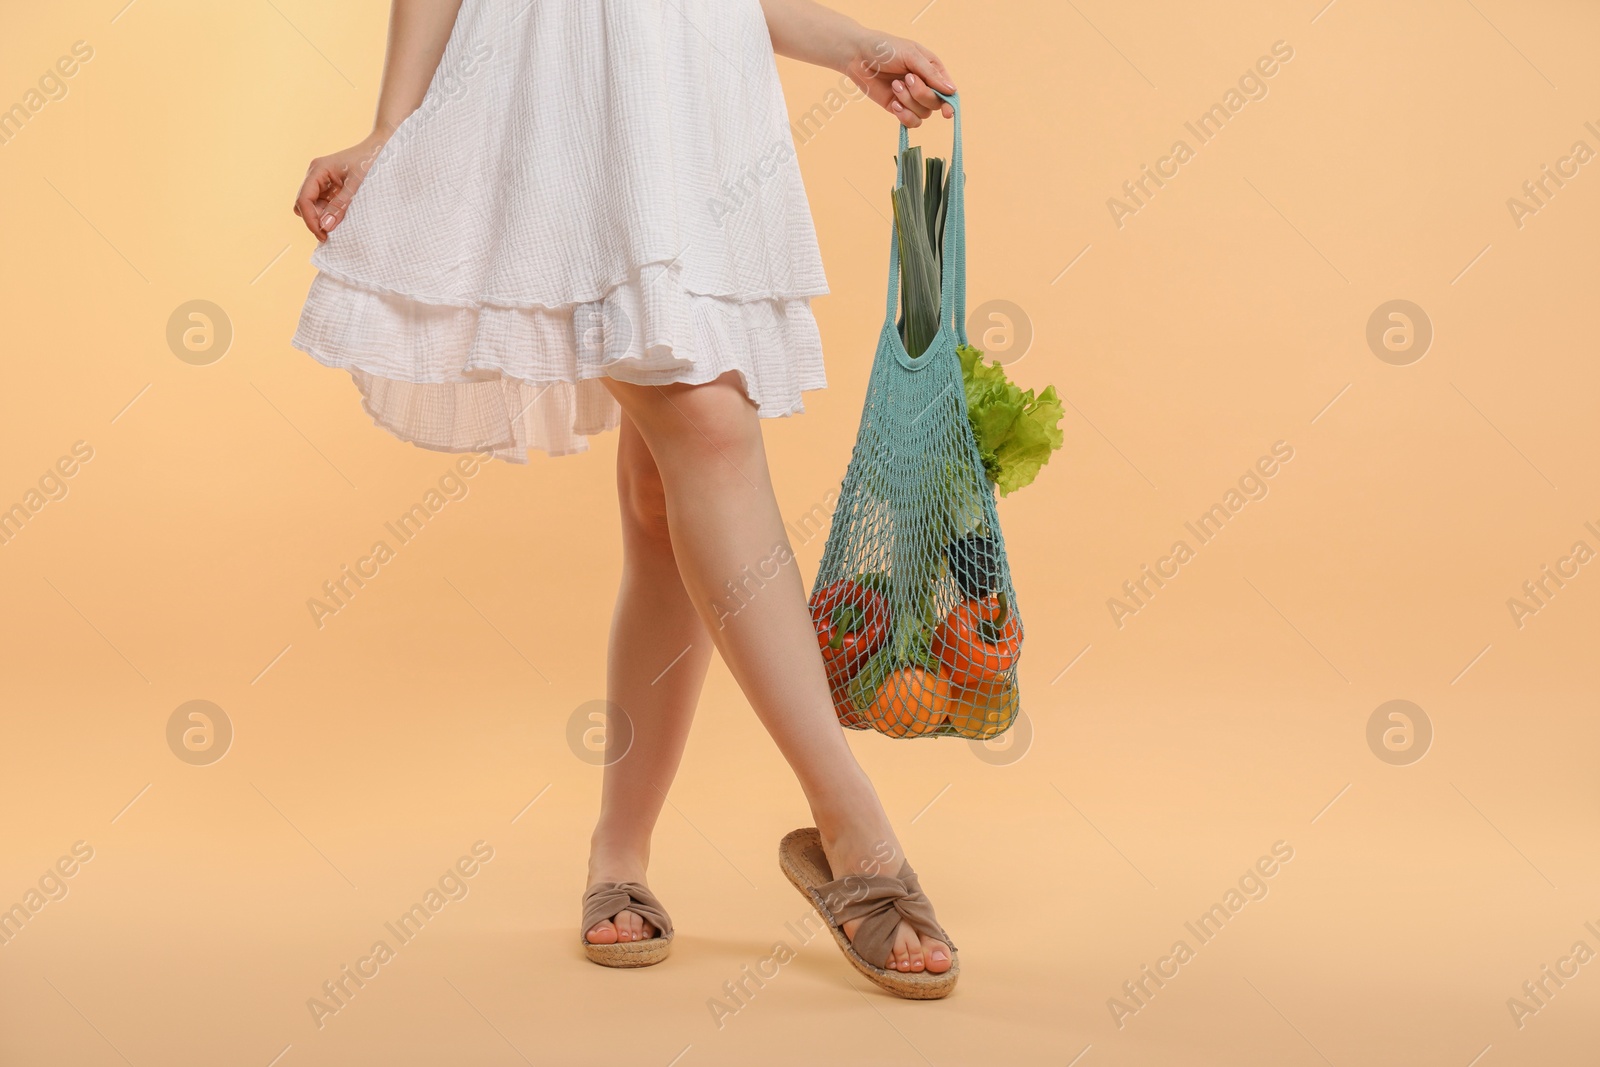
column 591, row 188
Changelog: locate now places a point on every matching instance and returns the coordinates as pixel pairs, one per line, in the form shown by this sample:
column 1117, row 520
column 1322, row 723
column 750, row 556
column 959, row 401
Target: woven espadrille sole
column 630, row 953
column 805, row 874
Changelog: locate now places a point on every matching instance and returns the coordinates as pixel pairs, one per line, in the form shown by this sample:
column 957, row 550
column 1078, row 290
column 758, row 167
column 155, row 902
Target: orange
column 911, row 701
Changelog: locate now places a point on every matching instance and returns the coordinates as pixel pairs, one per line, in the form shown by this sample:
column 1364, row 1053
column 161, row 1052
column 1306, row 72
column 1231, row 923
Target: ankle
column 839, row 806
column 855, row 845
column 617, row 859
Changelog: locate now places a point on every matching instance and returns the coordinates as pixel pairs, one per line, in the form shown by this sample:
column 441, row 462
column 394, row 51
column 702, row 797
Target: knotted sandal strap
column 881, row 902
column 604, row 900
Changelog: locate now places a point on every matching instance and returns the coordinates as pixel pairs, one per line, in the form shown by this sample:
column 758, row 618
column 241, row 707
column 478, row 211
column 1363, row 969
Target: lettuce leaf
column 1016, row 430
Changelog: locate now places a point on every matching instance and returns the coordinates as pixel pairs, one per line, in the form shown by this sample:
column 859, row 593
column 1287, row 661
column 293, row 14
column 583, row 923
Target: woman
column 574, row 217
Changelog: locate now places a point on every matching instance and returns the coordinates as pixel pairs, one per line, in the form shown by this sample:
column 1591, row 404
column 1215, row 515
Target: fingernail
column 899, row 85
column 327, row 221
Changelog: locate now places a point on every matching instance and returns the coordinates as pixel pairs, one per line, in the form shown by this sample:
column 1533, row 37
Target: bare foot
column 870, row 853
column 605, row 866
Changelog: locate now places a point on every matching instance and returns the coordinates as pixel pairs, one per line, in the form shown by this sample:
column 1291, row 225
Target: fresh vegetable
column 1016, row 430
column 984, row 710
column 975, row 565
column 851, row 617
column 911, row 700
column 862, row 690
column 935, row 205
column 844, row 706
column 978, row 641
column 915, row 207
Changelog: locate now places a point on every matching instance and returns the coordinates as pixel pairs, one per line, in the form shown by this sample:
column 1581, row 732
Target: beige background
column 1167, row 755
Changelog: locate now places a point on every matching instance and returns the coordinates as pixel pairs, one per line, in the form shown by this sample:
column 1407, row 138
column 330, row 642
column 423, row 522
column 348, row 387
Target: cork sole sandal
column 603, row 901
column 881, row 902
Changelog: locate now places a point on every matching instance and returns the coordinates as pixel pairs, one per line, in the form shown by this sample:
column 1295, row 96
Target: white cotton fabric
column 591, row 188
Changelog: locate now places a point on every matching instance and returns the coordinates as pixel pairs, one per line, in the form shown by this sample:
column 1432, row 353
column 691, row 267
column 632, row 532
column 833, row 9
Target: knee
column 702, row 427
column 643, row 498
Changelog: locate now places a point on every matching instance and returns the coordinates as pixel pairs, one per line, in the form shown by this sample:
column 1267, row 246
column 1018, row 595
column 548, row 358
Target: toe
column 913, row 945
column 603, row 932
column 638, row 928
column 902, row 950
column 937, row 953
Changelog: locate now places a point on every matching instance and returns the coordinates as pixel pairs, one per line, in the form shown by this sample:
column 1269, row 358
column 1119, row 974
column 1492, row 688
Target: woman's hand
column 896, row 73
column 418, row 33
column 331, row 182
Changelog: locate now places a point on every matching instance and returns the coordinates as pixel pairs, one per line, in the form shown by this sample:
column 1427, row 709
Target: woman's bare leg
column 655, row 666
column 727, row 537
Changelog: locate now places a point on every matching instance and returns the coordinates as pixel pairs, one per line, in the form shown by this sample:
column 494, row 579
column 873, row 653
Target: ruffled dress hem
column 507, row 378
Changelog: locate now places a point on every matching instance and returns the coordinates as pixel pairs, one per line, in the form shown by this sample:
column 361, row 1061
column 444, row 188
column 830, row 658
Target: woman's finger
column 312, row 194
column 902, row 93
column 906, row 117
column 927, row 66
column 923, row 94
column 878, row 91
column 333, row 213
column 877, row 85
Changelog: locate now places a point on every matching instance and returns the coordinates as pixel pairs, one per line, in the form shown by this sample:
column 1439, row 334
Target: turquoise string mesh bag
column 913, row 603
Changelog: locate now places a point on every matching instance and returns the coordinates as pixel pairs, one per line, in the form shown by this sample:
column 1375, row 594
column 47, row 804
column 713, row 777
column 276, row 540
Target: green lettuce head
column 1016, row 430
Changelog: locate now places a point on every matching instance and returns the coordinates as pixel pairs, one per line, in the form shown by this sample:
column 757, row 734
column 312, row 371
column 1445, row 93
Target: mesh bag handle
column 913, row 603
column 953, row 246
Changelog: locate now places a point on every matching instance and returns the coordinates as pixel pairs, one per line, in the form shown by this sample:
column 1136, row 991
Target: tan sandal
column 603, row 901
column 882, row 902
